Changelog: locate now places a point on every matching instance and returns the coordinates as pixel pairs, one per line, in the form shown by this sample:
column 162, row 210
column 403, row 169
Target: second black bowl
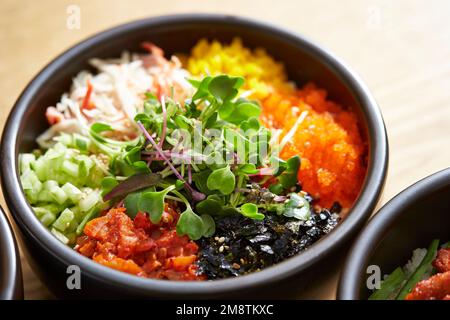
column 409, row 221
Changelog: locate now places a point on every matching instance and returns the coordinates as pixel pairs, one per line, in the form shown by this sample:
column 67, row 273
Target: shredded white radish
column 288, row 137
column 117, row 93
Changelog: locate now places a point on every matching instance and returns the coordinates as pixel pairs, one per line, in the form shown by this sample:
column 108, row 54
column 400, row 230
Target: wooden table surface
column 401, row 49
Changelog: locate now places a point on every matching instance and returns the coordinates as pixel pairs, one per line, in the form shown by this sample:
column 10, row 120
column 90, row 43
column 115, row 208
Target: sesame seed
column 221, row 239
column 221, row 249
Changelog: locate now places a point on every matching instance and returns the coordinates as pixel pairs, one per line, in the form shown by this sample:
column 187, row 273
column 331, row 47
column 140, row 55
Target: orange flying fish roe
column 327, row 140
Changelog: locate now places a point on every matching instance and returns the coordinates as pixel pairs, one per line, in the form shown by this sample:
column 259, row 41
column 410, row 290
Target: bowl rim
column 11, row 287
column 378, row 227
column 363, row 207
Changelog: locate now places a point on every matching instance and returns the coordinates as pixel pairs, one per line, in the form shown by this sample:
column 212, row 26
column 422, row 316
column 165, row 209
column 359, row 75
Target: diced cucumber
column 26, row 161
column 41, row 169
column 72, row 192
column 39, row 211
column 61, row 237
column 49, row 185
column 70, row 168
column 44, row 196
column 89, row 201
column 64, row 220
column 53, row 208
column 61, row 177
column 58, row 195
column 27, row 180
column 58, row 151
column 44, row 215
column 32, row 196
column 30, row 180
column 31, row 185
column 65, row 139
column 59, row 147
column 47, row 219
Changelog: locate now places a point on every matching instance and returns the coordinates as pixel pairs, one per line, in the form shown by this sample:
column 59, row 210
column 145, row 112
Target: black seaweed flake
column 241, row 245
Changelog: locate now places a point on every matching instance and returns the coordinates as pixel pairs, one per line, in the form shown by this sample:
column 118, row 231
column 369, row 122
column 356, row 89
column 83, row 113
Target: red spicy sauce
column 140, row 247
column 437, row 287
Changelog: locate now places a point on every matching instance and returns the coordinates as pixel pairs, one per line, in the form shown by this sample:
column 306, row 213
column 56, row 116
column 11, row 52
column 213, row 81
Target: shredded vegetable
column 116, row 94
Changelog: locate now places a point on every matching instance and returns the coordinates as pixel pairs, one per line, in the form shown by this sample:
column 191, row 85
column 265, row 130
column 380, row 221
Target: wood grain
column 401, row 49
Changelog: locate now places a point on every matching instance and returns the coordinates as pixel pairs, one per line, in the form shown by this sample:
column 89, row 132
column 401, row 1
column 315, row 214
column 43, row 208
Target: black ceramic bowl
column 411, row 220
column 10, row 271
column 304, row 61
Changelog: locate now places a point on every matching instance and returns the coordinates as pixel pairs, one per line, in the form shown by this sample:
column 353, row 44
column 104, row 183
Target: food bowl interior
column 422, row 216
column 179, row 37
